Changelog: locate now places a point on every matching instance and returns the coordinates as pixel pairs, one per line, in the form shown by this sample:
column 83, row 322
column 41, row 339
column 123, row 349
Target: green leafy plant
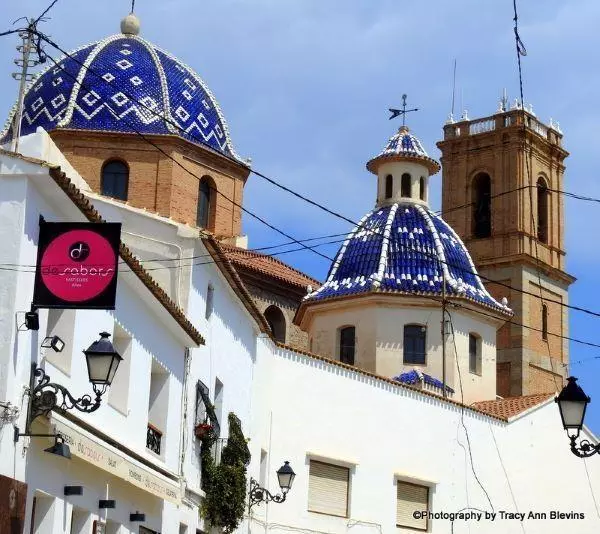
column 225, row 484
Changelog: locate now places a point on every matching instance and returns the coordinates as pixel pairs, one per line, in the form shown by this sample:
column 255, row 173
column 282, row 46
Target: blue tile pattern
column 404, row 248
column 414, row 377
column 125, row 84
column 403, row 142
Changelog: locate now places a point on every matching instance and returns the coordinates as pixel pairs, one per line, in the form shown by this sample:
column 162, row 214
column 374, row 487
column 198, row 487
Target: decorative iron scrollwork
column 153, row 439
column 258, row 494
column 585, row 449
column 45, row 396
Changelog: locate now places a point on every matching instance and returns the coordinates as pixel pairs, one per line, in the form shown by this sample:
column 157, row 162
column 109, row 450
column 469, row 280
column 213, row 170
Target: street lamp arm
column 45, row 396
column 585, row 449
column 258, row 494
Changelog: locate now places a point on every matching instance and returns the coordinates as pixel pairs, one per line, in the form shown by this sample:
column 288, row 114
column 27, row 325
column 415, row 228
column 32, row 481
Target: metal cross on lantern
column 397, row 112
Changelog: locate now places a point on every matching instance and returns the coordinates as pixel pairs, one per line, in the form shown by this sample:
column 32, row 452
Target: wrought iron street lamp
column 285, row 477
column 572, row 403
column 44, row 396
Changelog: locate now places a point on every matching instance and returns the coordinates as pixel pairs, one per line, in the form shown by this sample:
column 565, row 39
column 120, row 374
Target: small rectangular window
column 328, row 489
column 414, row 344
column 544, row 322
column 474, row 354
column 347, row 344
column 411, row 498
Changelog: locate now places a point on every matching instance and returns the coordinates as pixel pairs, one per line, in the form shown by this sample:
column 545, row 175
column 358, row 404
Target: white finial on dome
column 130, row 25
column 504, row 302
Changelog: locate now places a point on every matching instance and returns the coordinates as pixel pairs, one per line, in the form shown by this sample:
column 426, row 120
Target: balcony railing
column 502, row 120
column 153, row 439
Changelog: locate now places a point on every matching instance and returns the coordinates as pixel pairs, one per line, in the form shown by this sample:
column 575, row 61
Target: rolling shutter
column 411, row 498
column 328, row 489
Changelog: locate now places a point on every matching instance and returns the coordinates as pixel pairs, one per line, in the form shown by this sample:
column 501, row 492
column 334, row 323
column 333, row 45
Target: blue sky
column 305, row 86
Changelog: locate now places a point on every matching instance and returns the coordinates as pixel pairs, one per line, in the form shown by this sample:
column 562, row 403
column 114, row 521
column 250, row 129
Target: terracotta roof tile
column 511, row 406
column 267, row 265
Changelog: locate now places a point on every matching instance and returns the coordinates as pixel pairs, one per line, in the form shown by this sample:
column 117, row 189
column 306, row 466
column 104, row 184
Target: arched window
column 414, row 344
column 114, row 181
column 347, row 345
column 405, row 185
column 422, row 188
column 544, row 322
column 474, row 354
column 482, row 206
column 389, row 186
column 542, row 211
column 205, row 201
column 276, row 320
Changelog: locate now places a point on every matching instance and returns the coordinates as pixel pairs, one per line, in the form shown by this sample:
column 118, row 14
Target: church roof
column 404, row 145
column 415, row 377
column 263, row 264
column 511, row 406
column 124, row 84
column 404, row 248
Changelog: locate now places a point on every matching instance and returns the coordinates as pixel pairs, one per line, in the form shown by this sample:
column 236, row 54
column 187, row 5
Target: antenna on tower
column 453, row 90
column 28, row 45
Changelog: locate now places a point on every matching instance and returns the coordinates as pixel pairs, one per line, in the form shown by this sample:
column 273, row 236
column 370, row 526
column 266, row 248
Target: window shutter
column 328, row 489
column 411, row 498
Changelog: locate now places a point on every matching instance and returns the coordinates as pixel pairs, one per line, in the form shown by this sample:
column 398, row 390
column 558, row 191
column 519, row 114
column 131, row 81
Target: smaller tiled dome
column 404, row 248
column 405, row 146
column 414, row 377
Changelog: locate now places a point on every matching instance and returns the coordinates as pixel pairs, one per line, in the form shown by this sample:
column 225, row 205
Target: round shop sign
column 78, row 265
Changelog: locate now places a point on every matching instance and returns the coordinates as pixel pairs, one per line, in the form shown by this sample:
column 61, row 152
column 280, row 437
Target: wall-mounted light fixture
column 53, row 342
column 102, row 363
column 572, row 404
column 32, row 319
column 137, row 517
column 73, row 490
column 285, row 477
column 60, row 448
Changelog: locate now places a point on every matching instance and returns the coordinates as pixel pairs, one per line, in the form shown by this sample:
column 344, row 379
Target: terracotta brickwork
column 164, row 181
column 513, row 253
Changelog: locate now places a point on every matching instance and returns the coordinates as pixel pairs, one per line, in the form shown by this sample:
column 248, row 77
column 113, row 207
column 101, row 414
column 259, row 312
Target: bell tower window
column 389, row 186
column 542, row 211
column 115, row 180
column 422, row 188
column 482, row 206
column 276, row 320
column 206, row 200
column 415, row 351
column 405, row 185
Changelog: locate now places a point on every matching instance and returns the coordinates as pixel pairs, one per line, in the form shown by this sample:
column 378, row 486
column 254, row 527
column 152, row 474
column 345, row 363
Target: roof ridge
column 234, row 249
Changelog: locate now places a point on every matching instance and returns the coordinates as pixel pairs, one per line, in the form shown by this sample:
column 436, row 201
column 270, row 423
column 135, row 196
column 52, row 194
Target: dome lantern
column 403, row 169
column 130, row 25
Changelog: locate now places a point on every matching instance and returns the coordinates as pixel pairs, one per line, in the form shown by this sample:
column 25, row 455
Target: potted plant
column 201, row 430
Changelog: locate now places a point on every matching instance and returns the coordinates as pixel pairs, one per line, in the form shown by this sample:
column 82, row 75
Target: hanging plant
column 202, row 429
column 225, row 484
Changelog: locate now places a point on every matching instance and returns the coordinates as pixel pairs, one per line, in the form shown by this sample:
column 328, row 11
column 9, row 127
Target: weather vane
column 396, row 112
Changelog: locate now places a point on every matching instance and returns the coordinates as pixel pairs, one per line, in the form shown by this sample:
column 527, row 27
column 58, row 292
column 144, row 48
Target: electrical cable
column 45, row 12
column 45, row 38
column 462, row 407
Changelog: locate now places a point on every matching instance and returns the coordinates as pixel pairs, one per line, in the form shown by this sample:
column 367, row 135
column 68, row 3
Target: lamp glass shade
column 572, row 403
column 572, row 414
column 102, row 361
column 285, row 476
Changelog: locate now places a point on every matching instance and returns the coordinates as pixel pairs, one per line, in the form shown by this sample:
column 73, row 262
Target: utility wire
column 157, row 147
column 45, row 12
column 49, row 41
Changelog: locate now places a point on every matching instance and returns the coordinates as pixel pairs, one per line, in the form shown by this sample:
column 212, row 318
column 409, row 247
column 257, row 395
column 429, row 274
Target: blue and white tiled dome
column 124, row 84
column 404, row 248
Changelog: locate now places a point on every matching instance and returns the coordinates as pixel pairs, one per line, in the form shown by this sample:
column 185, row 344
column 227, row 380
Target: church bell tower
column 502, row 177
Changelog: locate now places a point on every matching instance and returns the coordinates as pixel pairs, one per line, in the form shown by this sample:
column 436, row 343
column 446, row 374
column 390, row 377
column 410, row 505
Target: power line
column 157, row 147
column 45, row 38
column 45, row 12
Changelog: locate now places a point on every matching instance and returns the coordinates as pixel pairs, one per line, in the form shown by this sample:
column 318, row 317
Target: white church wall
column 21, row 202
column 309, row 409
column 379, row 327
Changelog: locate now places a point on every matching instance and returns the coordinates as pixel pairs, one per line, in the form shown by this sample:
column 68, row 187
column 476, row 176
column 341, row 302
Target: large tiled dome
column 404, row 248
column 124, row 84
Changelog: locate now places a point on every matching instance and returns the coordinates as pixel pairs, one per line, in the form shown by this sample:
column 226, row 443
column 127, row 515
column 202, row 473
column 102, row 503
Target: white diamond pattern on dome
column 125, row 84
column 407, row 249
